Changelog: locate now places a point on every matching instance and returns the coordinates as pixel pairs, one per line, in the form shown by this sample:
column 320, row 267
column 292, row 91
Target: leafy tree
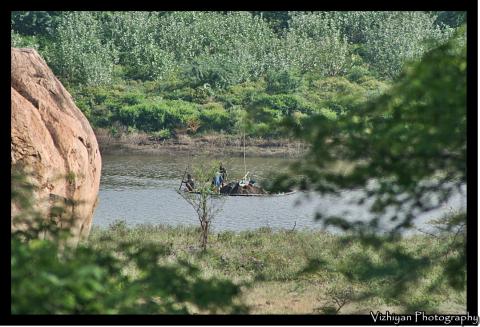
column 78, row 54
column 204, row 57
column 138, row 41
column 19, row 41
column 408, row 148
column 451, row 18
column 397, row 37
column 408, row 145
column 205, row 201
column 314, row 42
column 354, row 25
column 34, row 22
column 278, row 19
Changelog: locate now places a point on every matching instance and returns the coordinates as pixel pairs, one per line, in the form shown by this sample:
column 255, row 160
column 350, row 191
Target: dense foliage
column 208, row 58
column 408, row 145
column 50, row 276
column 409, row 152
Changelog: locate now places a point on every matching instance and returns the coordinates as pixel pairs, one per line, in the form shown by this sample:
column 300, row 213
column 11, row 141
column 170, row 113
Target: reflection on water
column 142, row 189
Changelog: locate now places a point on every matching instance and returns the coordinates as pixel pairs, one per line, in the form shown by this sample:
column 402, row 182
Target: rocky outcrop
column 53, row 140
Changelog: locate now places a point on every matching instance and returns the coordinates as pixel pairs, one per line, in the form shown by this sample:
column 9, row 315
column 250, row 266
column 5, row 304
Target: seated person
column 223, row 171
column 189, row 183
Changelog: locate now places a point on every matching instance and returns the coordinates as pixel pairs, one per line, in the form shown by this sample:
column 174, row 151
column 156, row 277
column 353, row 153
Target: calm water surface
column 141, row 189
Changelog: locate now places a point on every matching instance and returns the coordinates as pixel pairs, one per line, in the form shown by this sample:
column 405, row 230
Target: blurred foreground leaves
column 408, row 152
column 49, row 276
column 407, row 147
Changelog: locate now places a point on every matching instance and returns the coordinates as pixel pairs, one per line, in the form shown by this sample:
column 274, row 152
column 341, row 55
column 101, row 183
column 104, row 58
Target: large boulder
column 54, row 141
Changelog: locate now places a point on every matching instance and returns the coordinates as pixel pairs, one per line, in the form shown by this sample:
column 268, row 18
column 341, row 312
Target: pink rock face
column 52, row 137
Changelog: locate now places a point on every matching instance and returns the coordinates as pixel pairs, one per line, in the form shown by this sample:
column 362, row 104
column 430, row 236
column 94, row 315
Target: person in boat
column 223, row 171
column 189, row 183
column 217, row 181
column 244, row 181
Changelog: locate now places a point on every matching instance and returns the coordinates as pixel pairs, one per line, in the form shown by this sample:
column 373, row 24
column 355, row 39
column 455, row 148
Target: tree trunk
column 204, row 234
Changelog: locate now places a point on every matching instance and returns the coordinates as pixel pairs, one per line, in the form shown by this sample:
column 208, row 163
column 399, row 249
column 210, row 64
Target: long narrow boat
column 264, row 194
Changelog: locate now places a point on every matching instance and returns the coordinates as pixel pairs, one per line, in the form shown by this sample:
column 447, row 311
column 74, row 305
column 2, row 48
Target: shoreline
column 142, row 143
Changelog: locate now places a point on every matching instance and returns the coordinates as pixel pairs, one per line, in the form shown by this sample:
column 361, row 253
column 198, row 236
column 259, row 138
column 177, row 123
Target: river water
column 141, row 189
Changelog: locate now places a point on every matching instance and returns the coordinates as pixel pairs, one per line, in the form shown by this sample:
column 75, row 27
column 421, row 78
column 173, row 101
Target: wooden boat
column 244, row 182
column 236, row 194
column 264, row 194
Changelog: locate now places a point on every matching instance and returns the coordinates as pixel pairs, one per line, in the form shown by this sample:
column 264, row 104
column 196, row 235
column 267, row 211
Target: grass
column 273, row 267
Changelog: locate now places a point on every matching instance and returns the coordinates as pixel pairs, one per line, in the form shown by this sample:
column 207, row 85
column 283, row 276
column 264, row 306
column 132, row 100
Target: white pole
column 244, row 163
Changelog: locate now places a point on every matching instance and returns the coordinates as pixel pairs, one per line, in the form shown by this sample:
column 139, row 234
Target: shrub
column 358, row 72
column 328, row 113
column 398, row 37
column 152, row 115
column 339, row 94
column 162, row 134
column 282, row 82
column 285, row 103
column 20, row 41
column 214, row 116
column 79, row 53
column 240, row 94
column 51, row 277
column 128, row 115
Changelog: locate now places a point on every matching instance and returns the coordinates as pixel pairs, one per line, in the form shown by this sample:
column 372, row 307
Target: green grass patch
column 315, row 265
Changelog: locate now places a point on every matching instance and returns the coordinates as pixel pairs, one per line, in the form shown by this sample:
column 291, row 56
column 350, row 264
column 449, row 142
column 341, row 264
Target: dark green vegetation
column 162, row 72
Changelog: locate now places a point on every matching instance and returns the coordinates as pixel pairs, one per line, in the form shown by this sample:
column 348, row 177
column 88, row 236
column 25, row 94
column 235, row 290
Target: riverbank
column 298, row 272
column 232, row 145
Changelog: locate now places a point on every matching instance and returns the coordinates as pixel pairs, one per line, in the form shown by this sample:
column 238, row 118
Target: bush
column 211, row 72
column 150, row 116
column 214, row 116
column 51, row 277
column 240, row 94
column 356, row 73
column 20, row 41
column 282, row 82
column 79, row 54
column 328, row 113
column 285, row 103
column 340, row 95
column 162, row 134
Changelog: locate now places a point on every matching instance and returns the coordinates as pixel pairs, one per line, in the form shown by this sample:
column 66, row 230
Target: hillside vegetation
column 198, row 72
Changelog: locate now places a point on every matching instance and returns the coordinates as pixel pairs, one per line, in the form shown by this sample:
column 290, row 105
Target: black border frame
column 472, row 165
